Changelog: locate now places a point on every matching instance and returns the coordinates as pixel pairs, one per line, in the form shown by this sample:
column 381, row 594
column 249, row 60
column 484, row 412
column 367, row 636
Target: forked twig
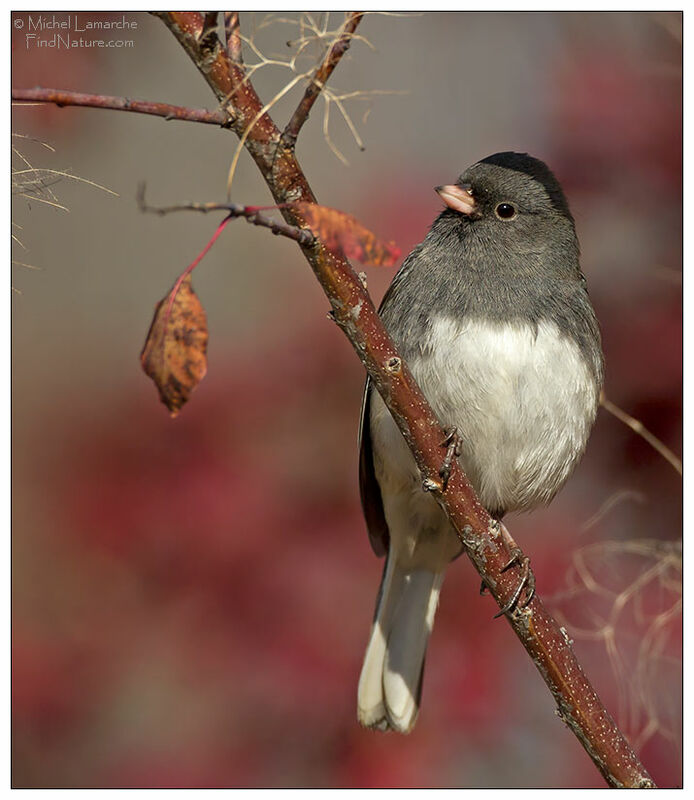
column 250, row 213
column 319, row 78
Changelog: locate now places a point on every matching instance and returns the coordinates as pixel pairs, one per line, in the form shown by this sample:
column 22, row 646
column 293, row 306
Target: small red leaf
column 175, row 351
column 340, row 231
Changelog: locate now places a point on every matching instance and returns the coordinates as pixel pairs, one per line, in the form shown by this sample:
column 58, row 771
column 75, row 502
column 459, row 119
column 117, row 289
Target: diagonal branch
column 60, row 98
column 319, row 78
column 577, row 702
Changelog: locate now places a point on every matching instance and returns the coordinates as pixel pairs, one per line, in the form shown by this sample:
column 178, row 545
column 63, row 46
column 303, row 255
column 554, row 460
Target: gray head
column 511, row 203
column 504, row 249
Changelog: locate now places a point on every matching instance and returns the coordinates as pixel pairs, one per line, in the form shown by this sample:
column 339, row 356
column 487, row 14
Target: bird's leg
column 452, row 443
column 527, row 580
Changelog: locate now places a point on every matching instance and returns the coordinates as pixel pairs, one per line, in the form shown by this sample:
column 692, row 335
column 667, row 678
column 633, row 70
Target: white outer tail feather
column 390, row 681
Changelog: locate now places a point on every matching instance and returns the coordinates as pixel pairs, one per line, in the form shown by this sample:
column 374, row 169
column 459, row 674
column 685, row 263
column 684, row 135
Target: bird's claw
column 525, row 584
column 452, row 443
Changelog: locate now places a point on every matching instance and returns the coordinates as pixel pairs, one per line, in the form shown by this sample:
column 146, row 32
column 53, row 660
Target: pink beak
column 457, row 198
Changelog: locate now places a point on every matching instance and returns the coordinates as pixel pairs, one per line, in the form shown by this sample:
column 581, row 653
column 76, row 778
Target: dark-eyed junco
column 491, row 313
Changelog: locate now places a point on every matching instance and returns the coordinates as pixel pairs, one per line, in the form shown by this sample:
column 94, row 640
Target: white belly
column 523, row 402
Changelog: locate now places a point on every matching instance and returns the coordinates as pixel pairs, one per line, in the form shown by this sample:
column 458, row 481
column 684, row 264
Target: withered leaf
column 340, row 231
column 175, row 351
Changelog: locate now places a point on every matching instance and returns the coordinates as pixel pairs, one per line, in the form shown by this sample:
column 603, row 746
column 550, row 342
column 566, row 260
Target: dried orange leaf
column 340, row 231
column 175, row 351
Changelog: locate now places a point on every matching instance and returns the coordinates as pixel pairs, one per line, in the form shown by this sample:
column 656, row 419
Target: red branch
column 60, row 98
column 231, row 31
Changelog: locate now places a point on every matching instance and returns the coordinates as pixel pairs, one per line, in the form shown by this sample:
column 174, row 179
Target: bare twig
column 319, row 78
column 231, row 30
column 249, row 213
column 639, row 428
column 608, row 583
column 612, row 501
column 60, row 97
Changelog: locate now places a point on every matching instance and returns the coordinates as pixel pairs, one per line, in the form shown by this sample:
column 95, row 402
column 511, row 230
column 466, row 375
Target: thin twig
column 319, row 78
column 55, row 175
column 250, row 213
column 639, row 428
column 612, row 501
column 231, row 30
column 60, row 97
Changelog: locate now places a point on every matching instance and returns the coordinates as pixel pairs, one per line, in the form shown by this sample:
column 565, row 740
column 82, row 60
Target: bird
column 492, row 315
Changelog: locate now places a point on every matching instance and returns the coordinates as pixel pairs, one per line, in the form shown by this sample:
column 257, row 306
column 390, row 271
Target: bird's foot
column 526, row 584
column 452, row 443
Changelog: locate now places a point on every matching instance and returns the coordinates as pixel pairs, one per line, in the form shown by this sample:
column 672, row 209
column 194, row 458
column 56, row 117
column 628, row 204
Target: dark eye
column 505, row 211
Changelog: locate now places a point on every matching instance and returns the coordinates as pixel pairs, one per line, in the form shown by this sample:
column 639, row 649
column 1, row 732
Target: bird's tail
column 391, row 679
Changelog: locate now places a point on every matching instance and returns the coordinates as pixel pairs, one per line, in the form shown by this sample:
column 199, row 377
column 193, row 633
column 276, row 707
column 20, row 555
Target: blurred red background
column 192, row 597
